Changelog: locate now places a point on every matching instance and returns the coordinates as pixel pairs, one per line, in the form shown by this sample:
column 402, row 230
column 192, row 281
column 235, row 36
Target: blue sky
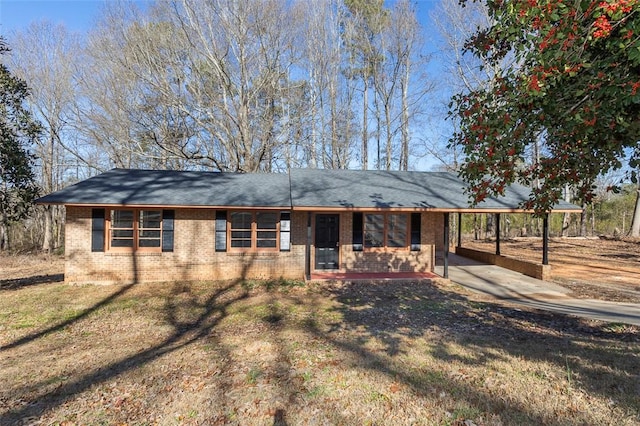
column 79, row 15
column 76, row 15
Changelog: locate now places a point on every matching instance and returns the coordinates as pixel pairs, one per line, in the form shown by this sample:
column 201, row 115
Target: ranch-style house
column 151, row 225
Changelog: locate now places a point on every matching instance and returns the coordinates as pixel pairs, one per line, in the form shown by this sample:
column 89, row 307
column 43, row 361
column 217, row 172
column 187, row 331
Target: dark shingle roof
column 394, row 189
column 177, row 188
column 304, row 189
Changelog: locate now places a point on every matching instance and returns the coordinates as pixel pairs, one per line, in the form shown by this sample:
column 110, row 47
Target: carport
column 511, row 287
column 516, row 195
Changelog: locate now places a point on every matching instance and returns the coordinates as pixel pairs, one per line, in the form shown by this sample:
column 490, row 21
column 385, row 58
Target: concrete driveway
column 520, row 289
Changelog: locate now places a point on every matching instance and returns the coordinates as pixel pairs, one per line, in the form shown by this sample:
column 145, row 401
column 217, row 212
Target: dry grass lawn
column 254, row 353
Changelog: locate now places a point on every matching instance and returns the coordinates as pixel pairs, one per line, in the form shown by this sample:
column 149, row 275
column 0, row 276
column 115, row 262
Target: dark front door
column 327, row 241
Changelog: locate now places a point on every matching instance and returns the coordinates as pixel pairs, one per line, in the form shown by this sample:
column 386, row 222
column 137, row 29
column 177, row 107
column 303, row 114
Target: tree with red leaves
column 573, row 93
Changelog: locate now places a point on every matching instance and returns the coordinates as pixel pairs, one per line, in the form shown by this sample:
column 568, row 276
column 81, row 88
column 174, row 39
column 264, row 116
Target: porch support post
column 307, row 256
column 545, row 239
column 497, row 234
column 459, row 229
column 446, row 246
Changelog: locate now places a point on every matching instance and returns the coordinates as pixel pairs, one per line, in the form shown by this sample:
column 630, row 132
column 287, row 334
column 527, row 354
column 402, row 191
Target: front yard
column 285, row 353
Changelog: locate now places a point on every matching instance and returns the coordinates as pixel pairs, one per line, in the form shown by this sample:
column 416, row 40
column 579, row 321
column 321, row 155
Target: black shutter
column 415, row 231
column 167, row 229
column 285, row 231
column 97, row 230
column 357, row 231
column 221, row 230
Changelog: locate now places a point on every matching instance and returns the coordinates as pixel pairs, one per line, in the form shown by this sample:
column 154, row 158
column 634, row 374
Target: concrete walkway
column 516, row 288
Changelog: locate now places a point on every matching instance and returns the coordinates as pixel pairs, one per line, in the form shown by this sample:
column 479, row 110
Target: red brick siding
column 389, row 260
column 194, row 256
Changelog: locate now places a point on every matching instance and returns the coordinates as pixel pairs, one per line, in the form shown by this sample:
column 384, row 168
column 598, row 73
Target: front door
column 327, row 241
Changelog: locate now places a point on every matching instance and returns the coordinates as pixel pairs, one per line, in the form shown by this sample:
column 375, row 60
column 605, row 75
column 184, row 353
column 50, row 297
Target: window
column 385, row 230
column 122, row 229
column 374, row 230
column 149, row 228
column 263, row 230
column 241, row 229
column 396, row 230
column 267, row 230
column 139, row 230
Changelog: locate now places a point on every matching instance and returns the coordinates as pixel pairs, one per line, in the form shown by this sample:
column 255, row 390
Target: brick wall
column 535, row 270
column 390, row 260
column 193, row 257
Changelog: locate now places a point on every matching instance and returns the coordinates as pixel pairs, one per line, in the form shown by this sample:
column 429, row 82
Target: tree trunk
column 635, row 222
column 389, row 142
column 490, row 229
column 365, row 119
column 476, row 234
column 47, row 242
column 583, row 220
column 4, row 237
column 404, row 158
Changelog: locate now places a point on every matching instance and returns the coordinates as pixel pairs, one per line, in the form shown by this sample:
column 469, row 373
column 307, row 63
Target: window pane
column 240, row 235
column 150, row 219
column 267, row 220
column 146, row 233
column 144, row 242
column 122, row 218
column 121, row 243
column 266, row 235
column 240, row 220
column 374, row 230
column 267, row 243
column 122, row 233
column 241, row 243
column 397, row 230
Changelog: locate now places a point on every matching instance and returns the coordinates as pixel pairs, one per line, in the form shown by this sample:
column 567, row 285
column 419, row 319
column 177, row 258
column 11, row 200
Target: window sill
column 253, row 253
column 383, row 249
column 133, row 253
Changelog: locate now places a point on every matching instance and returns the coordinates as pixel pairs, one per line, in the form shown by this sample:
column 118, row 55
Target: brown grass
column 250, row 353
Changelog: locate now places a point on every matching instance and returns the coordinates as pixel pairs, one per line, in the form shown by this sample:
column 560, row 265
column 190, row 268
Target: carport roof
column 302, row 189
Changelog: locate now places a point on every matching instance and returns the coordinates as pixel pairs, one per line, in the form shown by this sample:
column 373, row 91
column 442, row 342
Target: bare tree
column 455, row 24
column 45, row 56
column 239, row 56
column 363, row 26
column 400, row 89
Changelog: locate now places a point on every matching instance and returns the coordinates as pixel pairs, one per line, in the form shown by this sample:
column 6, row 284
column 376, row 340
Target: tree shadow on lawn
column 61, row 325
column 16, row 283
column 186, row 330
column 389, row 312
column 392, row 312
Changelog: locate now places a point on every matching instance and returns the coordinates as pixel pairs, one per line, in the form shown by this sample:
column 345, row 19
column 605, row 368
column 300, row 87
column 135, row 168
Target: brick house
column 150, row 225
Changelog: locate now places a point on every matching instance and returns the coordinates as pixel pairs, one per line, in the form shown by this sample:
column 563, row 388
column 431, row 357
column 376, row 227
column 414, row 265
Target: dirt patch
column 593, row 268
